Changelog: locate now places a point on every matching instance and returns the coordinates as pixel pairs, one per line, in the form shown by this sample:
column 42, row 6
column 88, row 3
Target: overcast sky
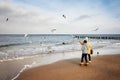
column 41, row 16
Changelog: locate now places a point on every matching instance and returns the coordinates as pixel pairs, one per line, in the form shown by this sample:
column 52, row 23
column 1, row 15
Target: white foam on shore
column 19, row 58
column 47, row 59
column 27, row 66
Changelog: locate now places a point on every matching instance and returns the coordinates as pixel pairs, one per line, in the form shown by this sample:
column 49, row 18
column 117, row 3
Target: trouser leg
column 86, row 58
column 89, row 57
column 82, row 57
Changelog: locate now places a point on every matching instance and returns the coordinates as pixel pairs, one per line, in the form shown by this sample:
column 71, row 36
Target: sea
column 16, row 48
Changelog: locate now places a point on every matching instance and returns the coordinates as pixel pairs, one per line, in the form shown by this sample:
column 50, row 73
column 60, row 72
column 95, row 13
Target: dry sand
column 105, row 67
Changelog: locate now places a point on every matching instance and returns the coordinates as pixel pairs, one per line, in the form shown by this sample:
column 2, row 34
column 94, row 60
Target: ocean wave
column 13, row 44
column 37, row 49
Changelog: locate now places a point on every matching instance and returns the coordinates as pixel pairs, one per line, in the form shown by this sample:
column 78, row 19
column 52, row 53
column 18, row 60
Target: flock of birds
column 64, row 16
column 53, row 30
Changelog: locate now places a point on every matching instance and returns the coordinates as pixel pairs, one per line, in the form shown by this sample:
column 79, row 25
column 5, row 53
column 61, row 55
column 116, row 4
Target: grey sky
column 40, row 16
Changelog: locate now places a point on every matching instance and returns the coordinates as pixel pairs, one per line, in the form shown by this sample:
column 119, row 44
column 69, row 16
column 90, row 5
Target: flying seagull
column 64, row 16
column 97, row 28
column 25, row 35
column 53, row 30
column 6, row 19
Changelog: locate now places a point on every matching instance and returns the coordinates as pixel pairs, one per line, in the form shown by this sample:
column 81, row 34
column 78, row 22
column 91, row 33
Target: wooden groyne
column 99, row 36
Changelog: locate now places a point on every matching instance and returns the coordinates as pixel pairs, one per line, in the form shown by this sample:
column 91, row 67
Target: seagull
column 96, row 29
column 64, row 16
column 6, row 19
column 53, row 30
column 25, row 35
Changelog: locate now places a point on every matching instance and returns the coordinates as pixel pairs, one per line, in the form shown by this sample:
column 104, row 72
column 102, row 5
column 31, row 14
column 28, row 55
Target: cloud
column 4, row 10
column 82, row 17
column 26, row 16
column 25, row 13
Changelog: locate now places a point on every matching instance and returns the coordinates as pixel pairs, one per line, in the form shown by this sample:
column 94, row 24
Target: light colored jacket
column 88, row 45
column 84, row 48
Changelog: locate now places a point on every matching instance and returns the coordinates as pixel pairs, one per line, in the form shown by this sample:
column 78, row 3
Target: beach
column 103, row 67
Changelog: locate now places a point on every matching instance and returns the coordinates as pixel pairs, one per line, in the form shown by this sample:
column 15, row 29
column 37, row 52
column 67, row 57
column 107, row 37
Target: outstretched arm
column 81, row 43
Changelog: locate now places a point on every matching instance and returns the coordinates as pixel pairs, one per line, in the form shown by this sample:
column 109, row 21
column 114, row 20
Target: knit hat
column 86, row 38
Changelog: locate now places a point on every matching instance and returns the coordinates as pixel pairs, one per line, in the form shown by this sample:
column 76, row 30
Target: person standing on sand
column 84, row 52
column 89, row 48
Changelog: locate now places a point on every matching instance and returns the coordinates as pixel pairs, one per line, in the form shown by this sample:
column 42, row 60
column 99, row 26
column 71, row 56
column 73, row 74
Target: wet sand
column 105, row 67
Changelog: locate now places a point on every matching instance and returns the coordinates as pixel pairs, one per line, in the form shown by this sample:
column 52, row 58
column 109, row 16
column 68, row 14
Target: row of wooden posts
column 98, row 37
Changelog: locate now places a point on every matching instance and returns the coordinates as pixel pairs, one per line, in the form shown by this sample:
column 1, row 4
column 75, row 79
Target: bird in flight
column 6, row 19
column 64, row 16
column 97, row 28
column 53, row 30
